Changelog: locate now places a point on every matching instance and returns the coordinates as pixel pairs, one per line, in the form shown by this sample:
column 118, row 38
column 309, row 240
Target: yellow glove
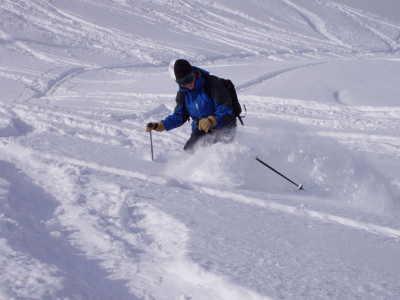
column 155, row 126
column 206, row 123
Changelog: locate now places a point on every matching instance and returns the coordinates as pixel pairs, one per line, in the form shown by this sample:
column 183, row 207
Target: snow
column 86, row 214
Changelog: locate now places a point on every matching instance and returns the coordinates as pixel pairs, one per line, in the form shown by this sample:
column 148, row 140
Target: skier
column 211, row 112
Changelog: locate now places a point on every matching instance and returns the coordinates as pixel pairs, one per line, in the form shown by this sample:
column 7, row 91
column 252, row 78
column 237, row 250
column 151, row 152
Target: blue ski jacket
column 199, row 104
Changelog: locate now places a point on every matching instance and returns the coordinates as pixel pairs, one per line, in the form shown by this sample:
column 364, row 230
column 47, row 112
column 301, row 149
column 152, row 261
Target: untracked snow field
column 86, row 214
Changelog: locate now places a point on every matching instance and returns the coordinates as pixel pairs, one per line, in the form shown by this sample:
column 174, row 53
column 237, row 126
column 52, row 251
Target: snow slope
column 86, row 214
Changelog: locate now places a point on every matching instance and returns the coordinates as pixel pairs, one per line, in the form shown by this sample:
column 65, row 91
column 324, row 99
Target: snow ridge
column 86, row 214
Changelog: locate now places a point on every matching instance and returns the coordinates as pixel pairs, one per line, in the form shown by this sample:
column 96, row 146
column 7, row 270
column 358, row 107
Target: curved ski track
column 136, row 229
column 213, row 23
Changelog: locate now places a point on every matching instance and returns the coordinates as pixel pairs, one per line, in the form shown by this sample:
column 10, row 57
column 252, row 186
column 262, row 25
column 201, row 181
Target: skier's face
column 190, row 86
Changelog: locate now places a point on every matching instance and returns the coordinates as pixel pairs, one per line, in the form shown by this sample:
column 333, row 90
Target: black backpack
column 237, row 108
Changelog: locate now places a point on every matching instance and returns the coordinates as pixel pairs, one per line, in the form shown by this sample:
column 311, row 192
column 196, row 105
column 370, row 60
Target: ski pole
column 300, row 187
column 150, row 125
column 151, row 145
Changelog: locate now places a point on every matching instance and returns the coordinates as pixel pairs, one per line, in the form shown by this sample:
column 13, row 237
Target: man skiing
column 204, row 99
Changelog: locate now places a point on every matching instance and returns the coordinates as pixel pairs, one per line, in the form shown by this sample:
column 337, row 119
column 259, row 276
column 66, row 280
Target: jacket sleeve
column 180, row 114
column 223, row 103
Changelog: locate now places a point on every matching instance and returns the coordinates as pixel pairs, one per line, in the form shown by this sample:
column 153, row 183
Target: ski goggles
column 185, row 80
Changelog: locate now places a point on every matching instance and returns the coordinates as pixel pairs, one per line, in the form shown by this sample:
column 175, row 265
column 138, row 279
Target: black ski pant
column 200, row 138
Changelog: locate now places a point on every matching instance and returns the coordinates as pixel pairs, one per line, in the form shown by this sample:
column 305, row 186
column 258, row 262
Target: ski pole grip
column 152, row 125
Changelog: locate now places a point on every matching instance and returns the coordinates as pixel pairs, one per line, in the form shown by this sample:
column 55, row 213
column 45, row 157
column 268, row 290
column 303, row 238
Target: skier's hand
column 155, row 126
column 206, row 123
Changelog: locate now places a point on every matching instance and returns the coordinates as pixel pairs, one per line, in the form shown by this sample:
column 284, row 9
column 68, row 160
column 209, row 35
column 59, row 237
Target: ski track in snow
column 110, row 131
column 372, row 228
column 163, row 238
column 220, row 29
column 357, row 17
column 316, row 23
column 116, row 203
column 261, row 79
column 85, row 214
